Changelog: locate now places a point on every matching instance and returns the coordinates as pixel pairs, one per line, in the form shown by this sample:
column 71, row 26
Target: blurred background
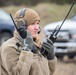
column 50, row 11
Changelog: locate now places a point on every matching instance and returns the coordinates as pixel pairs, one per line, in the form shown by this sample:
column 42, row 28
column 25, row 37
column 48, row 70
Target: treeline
column 32, row 2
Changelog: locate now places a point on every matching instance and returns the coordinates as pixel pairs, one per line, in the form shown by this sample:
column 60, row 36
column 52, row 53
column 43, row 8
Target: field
column 51, row 13
column 47, row 12
column 66, row 67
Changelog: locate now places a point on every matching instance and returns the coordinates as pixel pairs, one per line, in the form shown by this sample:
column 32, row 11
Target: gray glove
column 27, row 42
column 48, row 49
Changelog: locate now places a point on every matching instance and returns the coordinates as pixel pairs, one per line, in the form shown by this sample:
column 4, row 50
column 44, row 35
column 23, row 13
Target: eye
column 37, row 22
column 32, row 23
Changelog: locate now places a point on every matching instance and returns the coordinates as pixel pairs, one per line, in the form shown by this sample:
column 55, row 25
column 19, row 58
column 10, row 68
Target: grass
column 52, row 12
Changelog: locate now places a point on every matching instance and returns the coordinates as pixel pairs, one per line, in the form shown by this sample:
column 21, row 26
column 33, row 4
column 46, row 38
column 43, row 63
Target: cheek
column 30, row 28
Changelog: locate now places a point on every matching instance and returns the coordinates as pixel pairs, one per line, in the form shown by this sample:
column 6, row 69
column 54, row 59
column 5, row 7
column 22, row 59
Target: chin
column 34, row 36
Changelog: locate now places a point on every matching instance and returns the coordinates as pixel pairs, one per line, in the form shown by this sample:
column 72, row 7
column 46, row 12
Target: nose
column 36, row 27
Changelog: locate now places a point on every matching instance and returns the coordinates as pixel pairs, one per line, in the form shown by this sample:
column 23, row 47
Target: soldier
column 24, row 54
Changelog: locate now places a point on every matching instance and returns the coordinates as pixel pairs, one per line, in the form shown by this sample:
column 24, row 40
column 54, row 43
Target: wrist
column 50, row 57
column 26, row 47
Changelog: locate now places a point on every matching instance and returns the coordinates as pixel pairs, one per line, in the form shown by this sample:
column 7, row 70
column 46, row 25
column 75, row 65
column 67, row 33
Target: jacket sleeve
column 16, row 63
column 52, row 65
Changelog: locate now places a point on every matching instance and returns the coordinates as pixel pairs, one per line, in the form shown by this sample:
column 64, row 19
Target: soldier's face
column 34, row 29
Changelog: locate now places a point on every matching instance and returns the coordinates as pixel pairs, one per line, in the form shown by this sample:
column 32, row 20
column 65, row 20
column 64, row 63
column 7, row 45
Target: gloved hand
column 27, row 43
column 48, row 49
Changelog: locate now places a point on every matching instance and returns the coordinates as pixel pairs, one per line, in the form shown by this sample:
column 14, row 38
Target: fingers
column 28, row 34
column 48, row 47
column 49, row 41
